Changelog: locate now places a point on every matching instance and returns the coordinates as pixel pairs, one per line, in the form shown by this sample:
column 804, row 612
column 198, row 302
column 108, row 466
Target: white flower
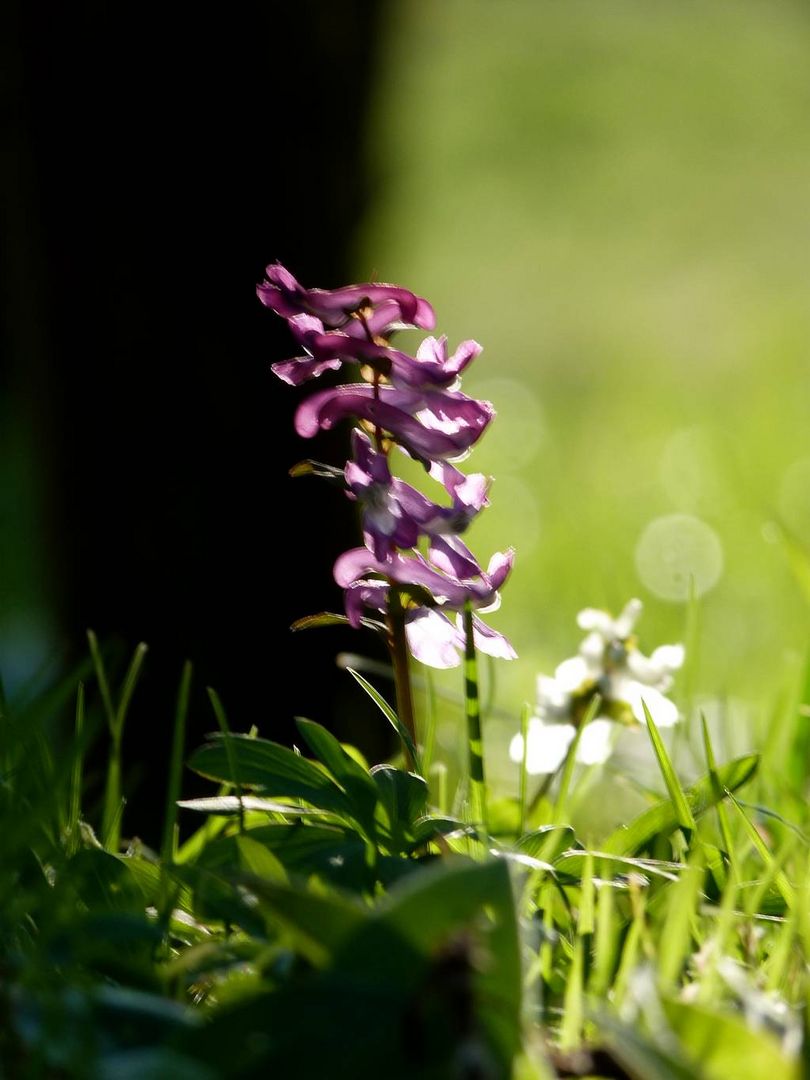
column 548, row 745
column 609, row 663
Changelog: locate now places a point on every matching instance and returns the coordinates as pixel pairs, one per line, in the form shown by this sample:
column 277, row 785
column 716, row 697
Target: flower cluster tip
column 414, row 403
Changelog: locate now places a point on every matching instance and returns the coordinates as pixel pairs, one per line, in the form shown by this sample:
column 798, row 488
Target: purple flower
column 328, row 349
column 433, row 351
column 431, row 425
column 433, row 638
column 395, row 514
column 382, row 307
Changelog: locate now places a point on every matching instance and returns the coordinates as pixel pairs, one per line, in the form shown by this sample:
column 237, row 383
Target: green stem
column 401, row 663
column 472, row 709
column 75, row 810
column 525, row 716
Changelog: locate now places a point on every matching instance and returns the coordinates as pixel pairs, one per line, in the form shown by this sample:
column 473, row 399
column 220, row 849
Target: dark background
column 153, row 163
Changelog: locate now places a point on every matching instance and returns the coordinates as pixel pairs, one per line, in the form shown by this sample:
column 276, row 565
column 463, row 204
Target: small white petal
column 592, row 651
column 547, row 746
column 643, row 669
column 669, row 657
column 572, row 673
column 599, row 621
column 663, row 711
column 596, row 742
column 623, row 627
column 550, row 695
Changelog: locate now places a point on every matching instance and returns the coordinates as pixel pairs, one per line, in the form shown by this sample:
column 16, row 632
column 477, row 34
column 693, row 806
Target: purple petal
column 361, row 595
column 357, row 562
column 433, row 350
column 447, row 425
column 287, row 297
column 354, row 564
column 333, row 344
column 453, row 556
column 433, row 639
column 464, row 354
column 413, row 309
column 368, row 461
column 491, row 642
column 302, row 368
column 472, row 492
column 500, row 566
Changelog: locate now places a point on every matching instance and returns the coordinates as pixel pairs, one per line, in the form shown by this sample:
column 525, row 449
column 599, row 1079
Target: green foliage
column 323, row 918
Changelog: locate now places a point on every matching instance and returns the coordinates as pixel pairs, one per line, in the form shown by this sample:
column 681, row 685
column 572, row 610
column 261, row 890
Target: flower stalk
column 398, row 646
column 413, row 570
column 472, row 710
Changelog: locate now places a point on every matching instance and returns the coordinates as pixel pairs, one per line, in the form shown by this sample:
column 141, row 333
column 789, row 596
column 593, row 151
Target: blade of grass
column 573, row 1003
column 76, row 774
column 113, row 803
column 561, row 802
column 222, row 720
column 777, row 875
column 633, row 945
column 410, row 748
column 430, row 721
column 525, row 714
column 129, row 684
column 639, row 833
column 727, row 921
column 585, row 922
column 101, row 679
column 717, row 789
column 606, row 942
column 347, row 660
column 779, row 959
column 169, row 844
column 683, row 812
column 676, row 932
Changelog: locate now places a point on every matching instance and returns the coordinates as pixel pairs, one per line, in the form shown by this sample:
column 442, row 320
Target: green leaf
column 169, row 845
column 572, row 864
column 353, row 778
column 404, row 797
column 329, row 618
column 639, row 1055
column 427, row 828
column 663, row 818
column 390, row 716
column 676, row 934
column 546, row 843
column 334, row 855
column 227, row 805
column 683, row 812
column 724, row 1046
column 271, row 768
column 319, row 924
column 717, row 789
column 433, row 907
column 310, row 467
column 775, row 871
column 573, row 1006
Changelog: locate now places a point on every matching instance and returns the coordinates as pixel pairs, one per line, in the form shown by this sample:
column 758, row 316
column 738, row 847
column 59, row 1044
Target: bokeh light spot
column 674, row 548
column 515, row 437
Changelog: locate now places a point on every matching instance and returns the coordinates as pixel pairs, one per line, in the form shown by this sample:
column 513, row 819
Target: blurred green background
column 613, row 199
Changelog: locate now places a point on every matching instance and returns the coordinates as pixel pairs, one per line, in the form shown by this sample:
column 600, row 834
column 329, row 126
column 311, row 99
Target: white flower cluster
column 609, row 663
